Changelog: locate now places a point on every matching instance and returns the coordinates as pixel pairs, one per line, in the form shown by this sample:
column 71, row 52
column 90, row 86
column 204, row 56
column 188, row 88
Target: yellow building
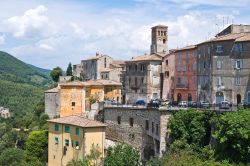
column 71, row 137
column 72, row 98
column 101, row 90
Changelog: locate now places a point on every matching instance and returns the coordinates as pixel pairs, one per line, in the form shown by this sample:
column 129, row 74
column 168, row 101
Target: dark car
column 140, row 102
column 154, row 103
column 192, row 104
column 203, row 104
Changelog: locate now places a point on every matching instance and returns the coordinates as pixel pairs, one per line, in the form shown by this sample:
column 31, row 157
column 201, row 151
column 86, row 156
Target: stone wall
column 52, row 104
column 149, row 140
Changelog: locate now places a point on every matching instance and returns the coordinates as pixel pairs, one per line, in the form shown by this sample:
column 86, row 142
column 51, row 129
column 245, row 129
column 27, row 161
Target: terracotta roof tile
column 74, row 83
column 102, row 82
column 53, row 90
column 77, row 121
column 246, row 37
column 151, row 57
column 185, row 48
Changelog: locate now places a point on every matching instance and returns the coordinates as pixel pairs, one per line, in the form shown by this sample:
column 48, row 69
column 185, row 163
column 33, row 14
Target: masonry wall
column 52, row 104
column 148, row 141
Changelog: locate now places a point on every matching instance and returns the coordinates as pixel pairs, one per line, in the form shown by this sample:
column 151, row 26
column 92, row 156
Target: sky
column 50, row 33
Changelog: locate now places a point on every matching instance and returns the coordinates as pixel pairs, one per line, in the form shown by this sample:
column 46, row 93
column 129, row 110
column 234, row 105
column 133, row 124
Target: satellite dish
column 77, row 147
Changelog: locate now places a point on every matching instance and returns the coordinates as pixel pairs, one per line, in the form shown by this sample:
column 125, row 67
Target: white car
column 225, row 104
column 183, row 104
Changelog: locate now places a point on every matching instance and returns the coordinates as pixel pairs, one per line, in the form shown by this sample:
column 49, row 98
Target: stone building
column 71, row 138
column 179, row 71
column 4, row 112
column 114, row 72
column 144, row 129
column 77, row 70
column 92, row 67
column 159, row 39
column 223, row 68
column 234, row 28
column 52, row 102
column 143, row 78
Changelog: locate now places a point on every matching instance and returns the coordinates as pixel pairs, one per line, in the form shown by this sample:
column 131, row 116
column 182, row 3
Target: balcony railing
column 181, row 86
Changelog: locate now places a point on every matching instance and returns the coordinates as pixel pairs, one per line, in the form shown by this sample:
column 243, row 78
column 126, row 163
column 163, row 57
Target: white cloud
column 46, row 47
column 2, row 39
column 32, row 24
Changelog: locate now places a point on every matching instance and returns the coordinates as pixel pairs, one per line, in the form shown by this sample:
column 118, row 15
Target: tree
column 55, row 73
column 233, row 137
column 122, row 155
column 69, row 70
column 191, row 126
column 37, row 145
column 13, row 157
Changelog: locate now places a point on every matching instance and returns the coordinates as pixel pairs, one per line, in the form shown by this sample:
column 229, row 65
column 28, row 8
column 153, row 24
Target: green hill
column 14, row 70
column 21, row 84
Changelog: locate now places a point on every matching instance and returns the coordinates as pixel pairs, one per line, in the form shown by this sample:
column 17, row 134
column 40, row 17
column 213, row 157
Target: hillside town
column 113, row 101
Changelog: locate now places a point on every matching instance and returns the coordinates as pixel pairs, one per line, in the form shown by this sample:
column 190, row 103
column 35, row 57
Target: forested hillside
column 14, row 70
column 21, row 84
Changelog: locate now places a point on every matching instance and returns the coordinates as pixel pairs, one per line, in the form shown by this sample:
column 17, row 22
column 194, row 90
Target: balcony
column 181, row 86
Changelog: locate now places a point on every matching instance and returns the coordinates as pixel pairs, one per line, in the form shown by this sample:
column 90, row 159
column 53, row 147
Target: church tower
column 159, row 36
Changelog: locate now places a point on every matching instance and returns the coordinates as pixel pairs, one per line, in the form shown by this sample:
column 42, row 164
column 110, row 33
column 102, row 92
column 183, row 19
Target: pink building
column 179, row 68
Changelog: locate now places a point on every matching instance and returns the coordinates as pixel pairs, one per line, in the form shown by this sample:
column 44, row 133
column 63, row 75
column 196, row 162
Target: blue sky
column 50, row 33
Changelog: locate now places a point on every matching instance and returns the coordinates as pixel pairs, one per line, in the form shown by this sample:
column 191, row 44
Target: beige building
column 72, row 137
column 92, row 67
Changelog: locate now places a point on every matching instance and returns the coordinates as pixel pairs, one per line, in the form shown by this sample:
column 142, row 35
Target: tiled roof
column 118, row 63
column 77, row 121
column 246, row 37
column 53, row 90
column 185, row 48
column 233, row 36
column 102, row 82
column 151, row 57
column 73, row 83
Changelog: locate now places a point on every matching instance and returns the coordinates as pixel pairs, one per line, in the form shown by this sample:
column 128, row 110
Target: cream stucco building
column 71, row 138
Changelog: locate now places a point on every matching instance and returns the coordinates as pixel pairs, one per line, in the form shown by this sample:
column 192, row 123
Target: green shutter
column 56, row 127
column 77, row 131
column 67, row 129
column 56, row 140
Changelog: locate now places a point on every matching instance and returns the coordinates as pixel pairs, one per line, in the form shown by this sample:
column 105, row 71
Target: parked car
column 165, row 102
column 203, row 104
column 244, row 105
column 224, row 104
column 154, row 103
column 140, row 102
column 192, row 104
column 183, row 104
column 174, row 103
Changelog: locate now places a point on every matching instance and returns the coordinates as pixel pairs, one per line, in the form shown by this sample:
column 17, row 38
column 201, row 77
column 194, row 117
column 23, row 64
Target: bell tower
column 159, row 39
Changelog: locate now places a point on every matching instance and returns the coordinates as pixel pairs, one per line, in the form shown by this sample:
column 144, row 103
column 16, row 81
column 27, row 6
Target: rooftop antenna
column 223, row 22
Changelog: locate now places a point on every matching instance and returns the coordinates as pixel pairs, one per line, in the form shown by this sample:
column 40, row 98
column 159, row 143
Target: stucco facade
column 52, row 102
column 223, row 72
column 143, row 78
column 71, row 141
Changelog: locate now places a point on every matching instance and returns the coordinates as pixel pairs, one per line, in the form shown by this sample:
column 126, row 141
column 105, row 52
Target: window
column 238, row 47
column 237, row 80
column 105, row 62
column 219, row 49
column 129, row 80
column 77, row 143
column 153, row 127
column 164, row 41
column 118, row 119
column 77, row 131
column 142, row 80
column 135, row 67
column 56, row 140
column 179, row 56
column 219, row 81
column 187, row 55
column 204, row 64
column 73, row 104
column 179, row 67
column 238, row 64
column 179, row 80
column 184, row 67
column 194, row 66
column 56, row 127
column 131, row 122
column 129, row 67
column 218, row 64
column 166, row 62
column 135, row 81
column 146, row 125
column 167, row 74
column 67, row 129
column 66, row 142
column 157, row 129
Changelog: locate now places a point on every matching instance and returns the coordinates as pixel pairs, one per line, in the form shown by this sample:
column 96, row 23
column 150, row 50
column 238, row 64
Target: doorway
column 219, row 97
column 238, row 99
